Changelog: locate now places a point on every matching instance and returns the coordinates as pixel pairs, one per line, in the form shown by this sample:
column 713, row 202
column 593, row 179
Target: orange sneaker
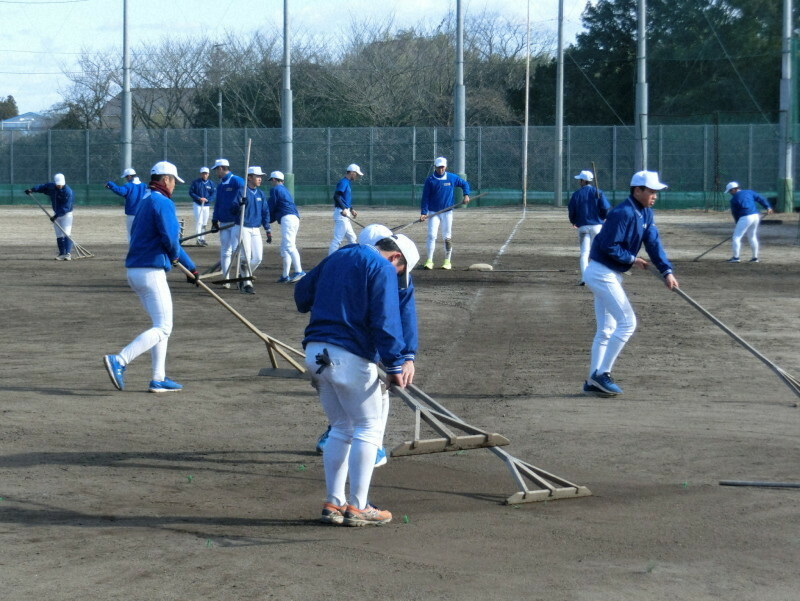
column 371, row 516
column 332, row 514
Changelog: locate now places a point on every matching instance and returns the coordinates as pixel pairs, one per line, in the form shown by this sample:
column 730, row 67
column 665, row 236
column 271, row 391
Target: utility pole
column 559, row 158
column 126, row 125
column 640, row 122
column 459, row 99
column 788, row 97
column 286, row 107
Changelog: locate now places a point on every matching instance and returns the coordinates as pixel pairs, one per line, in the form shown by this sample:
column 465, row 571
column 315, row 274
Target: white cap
column 204, row 170
column 221, row 163
column 648, row 179
column 731, row 186
column 440, row 162
column 276, row 175
column 374, row 232
column 59, row 180
column 165, row 168
column 128, row 171
column 355, row 168
column 256, row 170
column 410, row 254
column 586, row 176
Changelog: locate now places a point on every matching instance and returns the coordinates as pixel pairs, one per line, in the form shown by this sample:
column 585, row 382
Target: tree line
column 705, row 58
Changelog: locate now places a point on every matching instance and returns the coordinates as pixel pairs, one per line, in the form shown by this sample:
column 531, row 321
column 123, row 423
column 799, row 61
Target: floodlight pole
column 459, row 99
column 286, row 106
column 126, row 126
column 786, row 118
column 559, row 158
column 640, row 122
column 527, row 107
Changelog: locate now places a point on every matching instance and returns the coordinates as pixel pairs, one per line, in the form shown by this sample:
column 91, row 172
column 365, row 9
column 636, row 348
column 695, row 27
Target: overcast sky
column 42, row 38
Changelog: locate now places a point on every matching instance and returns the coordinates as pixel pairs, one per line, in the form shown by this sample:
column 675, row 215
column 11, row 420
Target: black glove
column 53, row 218
column 214, row 227
column 193, row 279
column 29, row 191
column 242, row 201
column 269, row 237
column 108, row 185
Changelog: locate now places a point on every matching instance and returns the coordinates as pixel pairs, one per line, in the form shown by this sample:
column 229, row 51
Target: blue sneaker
column 381, row 458
column 294, row 277
column 166, row 385
column 282, row 280
column 115, row 370
column 733, row 260
column 592, row 390
column 605, row 383
column 322, row 440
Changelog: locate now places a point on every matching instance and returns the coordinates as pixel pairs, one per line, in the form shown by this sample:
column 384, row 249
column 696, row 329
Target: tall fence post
column 205, row 146
column 480, row 158
column 11, row 158
column 49, row 153
column 750, row 155
column 413, row 164
column 371, row 161
column 86, row 146
column 164, row 146
column 328, row 165
column 614, row 163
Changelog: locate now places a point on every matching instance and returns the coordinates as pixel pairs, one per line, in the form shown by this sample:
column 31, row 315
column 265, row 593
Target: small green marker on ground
column 189, row 479
column 301, row 468
column 405, row 519
column 209, row 543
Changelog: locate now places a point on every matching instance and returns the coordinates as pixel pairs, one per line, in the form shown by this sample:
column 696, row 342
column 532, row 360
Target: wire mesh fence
column 695, row 160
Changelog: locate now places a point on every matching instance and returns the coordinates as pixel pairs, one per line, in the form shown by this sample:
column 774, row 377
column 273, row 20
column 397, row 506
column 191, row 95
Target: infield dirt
column 214, row 492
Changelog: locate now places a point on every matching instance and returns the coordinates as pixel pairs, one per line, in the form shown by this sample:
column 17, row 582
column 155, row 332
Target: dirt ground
column 214, row 492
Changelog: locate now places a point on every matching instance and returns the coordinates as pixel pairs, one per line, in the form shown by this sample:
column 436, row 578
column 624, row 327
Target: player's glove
column 269, row 237
column 53, row 218
column 242, row 201
column 214, row 227
column 194, row 278
column 108, row 185
column 29, row 191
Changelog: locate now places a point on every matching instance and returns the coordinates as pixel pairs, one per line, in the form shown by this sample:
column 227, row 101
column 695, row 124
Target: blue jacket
column 588, row 206
column 743, row 203
column 154, row 235
column 256, row 211
column 132, row 192
column 202, row 189
column 229, row 191
column 280, row 203
column 61, row 200
column 438, row 193
column 408, row 317
column 354, row 302
column 343, row 195
column 627, row 227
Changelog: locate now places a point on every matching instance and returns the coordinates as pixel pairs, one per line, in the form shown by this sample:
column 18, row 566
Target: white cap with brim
column 205, row 170
column 128, row 171
column 277, row 175
column 221, row 163
column 355, row 168
column 59, row 179
column 166, row 168
column 586, row 176
column 410, row 254
column 374, row 232
column 256, row 170
column 440, row 162
column 648, row 179
column 731, row 186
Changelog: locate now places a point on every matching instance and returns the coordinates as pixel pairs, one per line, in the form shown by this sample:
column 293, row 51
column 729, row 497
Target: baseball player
column 230, row 194
column 153, row 250
column 343, row 210
column 746, row 215
column 438, row 194
column 355, row 320
column 587, row 209
column 202, row 192
column 371, row 235
column 283, row 210
column 61, row 200
column 132, row 192
column 614, row 251
column 256, row 215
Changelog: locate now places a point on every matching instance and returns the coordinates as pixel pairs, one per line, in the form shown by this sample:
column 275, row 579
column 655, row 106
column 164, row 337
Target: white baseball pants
column 586, row 234
column 746, row 226
column 65, row 221
column 228, row 243
column 290, row 225
column 129, row 225
column 150, row 284
column 351, row 396
column 445, row 220
column 200, row 218
column 252, row 245
column 616, row 320
column 342, row 230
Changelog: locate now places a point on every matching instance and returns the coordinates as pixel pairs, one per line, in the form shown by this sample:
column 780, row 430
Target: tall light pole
column 459, row 98
column 559, row 158
column 640, row 120
column 786, row 118
column 126, row 124
column 286, row 107
column 218, row 68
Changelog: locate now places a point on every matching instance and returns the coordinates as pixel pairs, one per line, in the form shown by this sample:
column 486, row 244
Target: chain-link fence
column 695, row 160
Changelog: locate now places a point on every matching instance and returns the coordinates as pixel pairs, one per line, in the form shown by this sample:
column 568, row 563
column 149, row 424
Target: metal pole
column 286, row 106
column 527, row 107
column 126, row 129
column 640, row 124
column 559, row 158
column 786, row 156
column 459, row 117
